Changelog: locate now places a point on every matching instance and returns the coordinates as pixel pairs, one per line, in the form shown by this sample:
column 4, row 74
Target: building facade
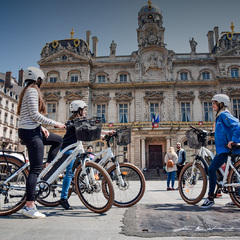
column 150, row 83
column 9, row 92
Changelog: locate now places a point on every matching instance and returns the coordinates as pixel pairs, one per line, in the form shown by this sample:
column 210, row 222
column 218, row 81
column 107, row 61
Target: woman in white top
column 31, row 108
column 171, row 171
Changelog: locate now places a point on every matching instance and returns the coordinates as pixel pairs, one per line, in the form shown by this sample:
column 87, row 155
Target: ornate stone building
column 152, row 81
column 9, row 92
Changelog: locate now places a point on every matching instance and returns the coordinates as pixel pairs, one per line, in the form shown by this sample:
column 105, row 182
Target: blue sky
column 27, row 25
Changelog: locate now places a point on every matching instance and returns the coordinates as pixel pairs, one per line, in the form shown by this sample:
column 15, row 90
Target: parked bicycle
column 91, row 180
column 193, row 177
column 128, row 180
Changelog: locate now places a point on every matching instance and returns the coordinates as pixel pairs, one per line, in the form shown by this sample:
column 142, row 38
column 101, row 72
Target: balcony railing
column 170, row 125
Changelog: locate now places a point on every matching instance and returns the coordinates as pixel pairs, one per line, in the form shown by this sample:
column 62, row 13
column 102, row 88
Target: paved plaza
column 160, row 214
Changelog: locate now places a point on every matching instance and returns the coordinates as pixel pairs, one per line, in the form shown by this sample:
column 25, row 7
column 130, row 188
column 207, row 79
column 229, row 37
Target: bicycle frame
column 78, row 150
column 109, row 154
column 206, row 152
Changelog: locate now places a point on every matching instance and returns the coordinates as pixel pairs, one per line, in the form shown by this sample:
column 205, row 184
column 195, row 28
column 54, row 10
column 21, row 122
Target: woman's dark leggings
column 35, row 142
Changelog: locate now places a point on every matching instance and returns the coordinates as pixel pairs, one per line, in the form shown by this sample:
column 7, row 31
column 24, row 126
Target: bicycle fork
column 121, row 181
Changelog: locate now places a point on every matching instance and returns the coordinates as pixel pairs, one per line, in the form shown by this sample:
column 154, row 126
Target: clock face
column 150, row 31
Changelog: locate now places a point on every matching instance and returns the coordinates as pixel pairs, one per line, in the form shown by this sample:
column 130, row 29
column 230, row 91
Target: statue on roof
column 113, row 48
column 193, row 45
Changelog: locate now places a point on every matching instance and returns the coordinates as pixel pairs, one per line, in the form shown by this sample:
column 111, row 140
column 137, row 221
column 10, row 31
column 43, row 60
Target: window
column 74, row 77
column 236, row 108
column 12, row 106
column 53, row 78
column 7, row 104
column 101, row 78
column 51, row 108
column 122, row 153
column 11, row 121
column 10, row 134
column 234, row 72
column 5, row 132
column 185, row 112
column 206, row 75
column 123, row 78
column 101, row 112
column 0, row 101
column 154, row 110
column 123, row 113
column 6, row 118
column 208, row 112
column 184, row 76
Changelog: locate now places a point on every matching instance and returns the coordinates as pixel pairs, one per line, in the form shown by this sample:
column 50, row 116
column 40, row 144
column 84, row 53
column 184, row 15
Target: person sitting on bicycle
column 78, row 109
column 30, row 110
column 227, row 131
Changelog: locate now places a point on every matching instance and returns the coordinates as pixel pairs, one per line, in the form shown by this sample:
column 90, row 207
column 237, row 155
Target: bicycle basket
column 192, row 138
column 123, row 136
column 88, row 129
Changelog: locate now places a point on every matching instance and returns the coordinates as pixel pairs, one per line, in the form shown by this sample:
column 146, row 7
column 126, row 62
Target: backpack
column 170, row 163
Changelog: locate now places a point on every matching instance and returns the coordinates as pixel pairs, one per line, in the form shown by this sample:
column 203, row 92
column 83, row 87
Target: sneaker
column 218, row 195
column 207, row 203
column 64, row 203
column 168, row 188
column 172, row 189
column 32, row 213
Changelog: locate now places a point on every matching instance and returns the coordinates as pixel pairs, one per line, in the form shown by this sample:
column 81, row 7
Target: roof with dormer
column 75, row 45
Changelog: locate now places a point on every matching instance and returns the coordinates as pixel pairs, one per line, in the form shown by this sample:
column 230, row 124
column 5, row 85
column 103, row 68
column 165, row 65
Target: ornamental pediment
column 55, row 96
column 185, row 96
column 233, row 92
column 231, row 52
column 205, row 95
column 123, row 96
column 70, row 96
column 63, row 57
column 154, row 96
column 101, row 98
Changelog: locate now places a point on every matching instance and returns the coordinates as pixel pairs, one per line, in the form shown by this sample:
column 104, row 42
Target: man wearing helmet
column 30, row 109
column 78, row 109
column 227, row 131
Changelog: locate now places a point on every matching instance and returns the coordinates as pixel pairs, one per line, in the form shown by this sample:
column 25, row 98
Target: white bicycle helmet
column 221, row 98
column 76, row 104
column 33, row 73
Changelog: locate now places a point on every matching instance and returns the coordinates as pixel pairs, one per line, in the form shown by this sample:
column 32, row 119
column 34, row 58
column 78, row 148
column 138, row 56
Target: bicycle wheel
column 12, row 194
column 134, row 180
column 192, row 188
column 234, row 192
column 93, row 196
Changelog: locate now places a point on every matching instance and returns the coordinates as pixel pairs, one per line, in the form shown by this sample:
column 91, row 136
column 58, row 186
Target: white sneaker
column 32, row 213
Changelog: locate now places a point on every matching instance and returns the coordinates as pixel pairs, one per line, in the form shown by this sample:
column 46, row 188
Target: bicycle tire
column 12, row 199
column 192, row 191
column 135, row 185
column 94, row 198
column 234, row 192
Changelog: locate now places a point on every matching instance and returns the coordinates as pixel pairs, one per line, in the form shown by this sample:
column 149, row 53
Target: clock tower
column 150, row 30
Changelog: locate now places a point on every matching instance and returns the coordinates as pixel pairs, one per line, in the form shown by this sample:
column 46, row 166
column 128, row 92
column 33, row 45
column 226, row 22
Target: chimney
column 8, row 78
column 88, row 35
column 95, row 41
column 210, row 41
column 216, row 34
column 20, row 78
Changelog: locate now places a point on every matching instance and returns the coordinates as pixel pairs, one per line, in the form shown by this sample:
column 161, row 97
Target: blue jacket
column 227, row 129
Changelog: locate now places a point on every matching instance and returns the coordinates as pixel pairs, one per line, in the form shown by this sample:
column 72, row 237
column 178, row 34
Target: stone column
column 143, row 154
column 168, row 145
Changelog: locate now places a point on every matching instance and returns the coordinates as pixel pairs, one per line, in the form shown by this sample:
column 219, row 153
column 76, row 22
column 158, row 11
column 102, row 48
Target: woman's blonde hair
column 171, row 150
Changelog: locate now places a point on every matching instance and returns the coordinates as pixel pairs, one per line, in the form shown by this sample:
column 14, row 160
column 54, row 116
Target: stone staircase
column 151, row 174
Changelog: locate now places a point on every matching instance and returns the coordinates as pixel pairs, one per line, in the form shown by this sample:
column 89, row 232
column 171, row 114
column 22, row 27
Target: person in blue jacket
column 227, row 131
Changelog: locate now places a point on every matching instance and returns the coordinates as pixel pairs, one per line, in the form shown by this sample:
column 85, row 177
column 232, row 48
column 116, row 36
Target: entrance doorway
column 155, row 156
